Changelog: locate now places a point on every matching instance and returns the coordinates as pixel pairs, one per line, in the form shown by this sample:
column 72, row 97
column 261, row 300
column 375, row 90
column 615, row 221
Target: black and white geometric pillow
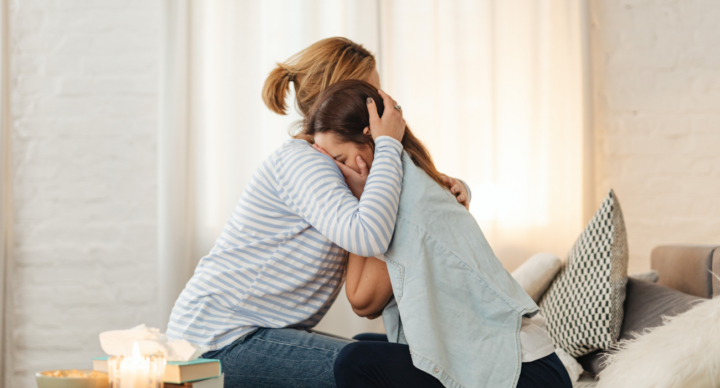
column 584, row 304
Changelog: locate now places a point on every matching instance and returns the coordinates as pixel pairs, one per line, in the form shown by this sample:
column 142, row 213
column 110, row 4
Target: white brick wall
column 656, row 74
column 84, row 98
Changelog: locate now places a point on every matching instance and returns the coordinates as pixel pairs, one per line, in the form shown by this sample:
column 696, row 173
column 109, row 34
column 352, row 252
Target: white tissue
column 151, row 342
column 573, row 367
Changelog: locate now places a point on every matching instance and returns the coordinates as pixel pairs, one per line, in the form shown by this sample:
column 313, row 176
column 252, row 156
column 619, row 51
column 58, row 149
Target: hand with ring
column 391, row 123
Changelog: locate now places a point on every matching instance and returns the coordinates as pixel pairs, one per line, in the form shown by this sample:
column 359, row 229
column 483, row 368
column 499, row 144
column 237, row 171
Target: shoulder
column 296, row 145
column 299, row 154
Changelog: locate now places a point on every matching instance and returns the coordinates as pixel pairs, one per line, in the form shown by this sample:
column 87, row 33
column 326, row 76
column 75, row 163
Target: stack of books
column 200, row 373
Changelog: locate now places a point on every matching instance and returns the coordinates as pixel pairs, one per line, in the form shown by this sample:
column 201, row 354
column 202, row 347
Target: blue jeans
column 280, row 358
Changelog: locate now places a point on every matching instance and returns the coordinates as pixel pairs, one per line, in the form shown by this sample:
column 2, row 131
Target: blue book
column 177, row 372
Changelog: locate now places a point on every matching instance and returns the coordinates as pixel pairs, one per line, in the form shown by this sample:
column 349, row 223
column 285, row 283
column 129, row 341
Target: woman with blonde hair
column 311, row 72
column 278, row 264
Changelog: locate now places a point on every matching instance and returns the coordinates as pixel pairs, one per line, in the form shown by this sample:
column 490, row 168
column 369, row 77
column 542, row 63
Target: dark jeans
column 374, row 362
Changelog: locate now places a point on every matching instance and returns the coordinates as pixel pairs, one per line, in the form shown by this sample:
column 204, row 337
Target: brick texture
column 656, row 79
column 85, row 98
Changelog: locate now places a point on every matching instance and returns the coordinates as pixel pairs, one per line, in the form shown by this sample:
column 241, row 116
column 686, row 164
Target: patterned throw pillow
column 584, row 304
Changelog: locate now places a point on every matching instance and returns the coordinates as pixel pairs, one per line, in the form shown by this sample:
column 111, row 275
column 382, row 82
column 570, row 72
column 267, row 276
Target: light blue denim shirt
column 461, row 310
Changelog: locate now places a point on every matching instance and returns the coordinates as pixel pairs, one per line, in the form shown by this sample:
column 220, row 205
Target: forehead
column 329, row 141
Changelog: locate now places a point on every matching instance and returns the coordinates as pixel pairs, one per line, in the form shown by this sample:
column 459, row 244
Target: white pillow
column 682, row 353
column 536, row 274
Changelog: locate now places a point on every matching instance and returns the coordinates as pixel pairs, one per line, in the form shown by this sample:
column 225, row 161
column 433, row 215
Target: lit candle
column 137, row 371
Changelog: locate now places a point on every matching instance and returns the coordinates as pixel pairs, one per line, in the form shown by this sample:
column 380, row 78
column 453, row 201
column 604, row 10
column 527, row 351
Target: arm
column 312, row 186
column 367, row 285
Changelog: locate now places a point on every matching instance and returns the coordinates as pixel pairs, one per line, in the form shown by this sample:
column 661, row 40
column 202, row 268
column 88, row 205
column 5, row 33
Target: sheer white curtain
column 494, row 87
column 497, row 91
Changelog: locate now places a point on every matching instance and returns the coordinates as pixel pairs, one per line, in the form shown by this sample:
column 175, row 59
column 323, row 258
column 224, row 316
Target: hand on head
column 391, row 123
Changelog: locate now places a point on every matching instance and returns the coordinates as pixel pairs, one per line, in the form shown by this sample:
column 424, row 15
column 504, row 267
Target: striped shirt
column 280, row 259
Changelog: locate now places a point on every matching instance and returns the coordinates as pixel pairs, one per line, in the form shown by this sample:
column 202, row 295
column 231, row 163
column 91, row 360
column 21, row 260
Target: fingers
column 390, row 124
column 345, row 170
column 372, row 110
column 322, row 151
column 463, row 197
column 446, row 179
column 458, row 189
column 389, row 103
column 362, row 166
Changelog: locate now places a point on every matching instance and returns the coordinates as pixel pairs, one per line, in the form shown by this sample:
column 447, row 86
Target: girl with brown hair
column 278, row 264
column 340, row 123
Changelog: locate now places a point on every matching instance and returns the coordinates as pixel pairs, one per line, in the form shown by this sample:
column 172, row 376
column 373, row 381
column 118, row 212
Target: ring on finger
column 398, row 107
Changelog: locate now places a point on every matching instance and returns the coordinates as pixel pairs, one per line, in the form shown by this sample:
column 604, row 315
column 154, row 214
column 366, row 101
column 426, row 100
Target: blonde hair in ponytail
column 313, row 70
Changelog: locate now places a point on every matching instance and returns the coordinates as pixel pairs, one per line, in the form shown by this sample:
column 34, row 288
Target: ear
column 366, row 131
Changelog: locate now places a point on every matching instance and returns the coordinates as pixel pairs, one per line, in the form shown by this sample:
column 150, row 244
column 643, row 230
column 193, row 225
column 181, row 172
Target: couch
column 685, row 274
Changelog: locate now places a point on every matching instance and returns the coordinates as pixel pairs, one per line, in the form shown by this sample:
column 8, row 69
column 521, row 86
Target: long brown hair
column 313, row 70
column 342, row 110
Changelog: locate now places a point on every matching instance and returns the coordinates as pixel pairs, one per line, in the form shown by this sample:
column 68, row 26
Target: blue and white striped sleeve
column 467, row 188
column 312, row 185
